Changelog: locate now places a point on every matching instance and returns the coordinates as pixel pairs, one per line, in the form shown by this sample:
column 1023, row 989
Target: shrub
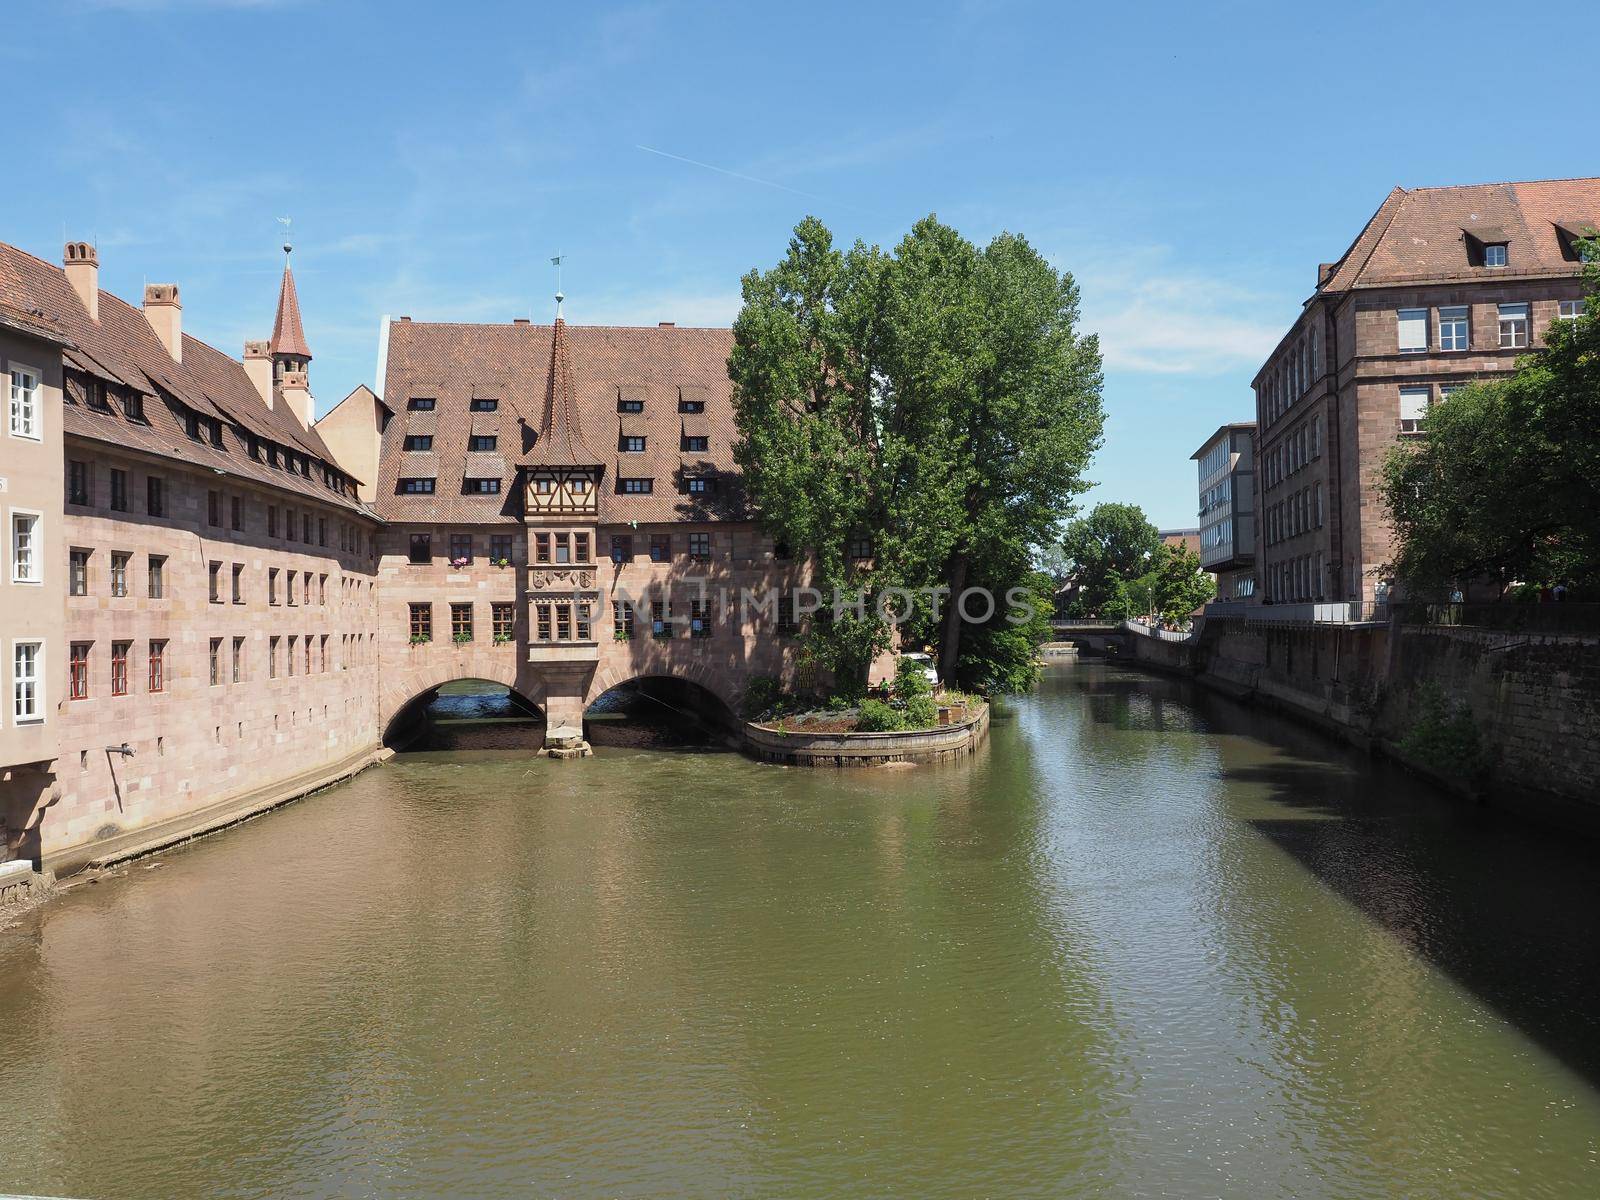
column 838, row 703
column 921, row 712
column 877, row 717
column 909, row 680
column 1444, row 737
column 761, row 695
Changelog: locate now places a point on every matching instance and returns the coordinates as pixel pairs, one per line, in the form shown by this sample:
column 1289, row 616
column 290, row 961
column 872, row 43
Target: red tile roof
column 287, row 335
column 560, row 442
column 1423, row 233
column 123, row 350
column 452, row 364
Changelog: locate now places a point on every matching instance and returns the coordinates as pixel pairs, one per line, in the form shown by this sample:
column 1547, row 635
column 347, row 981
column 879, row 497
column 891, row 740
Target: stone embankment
column 945, row 743
column 1528, row 704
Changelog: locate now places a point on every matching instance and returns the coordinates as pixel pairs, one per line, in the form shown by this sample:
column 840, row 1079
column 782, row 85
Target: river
column 1148, row 943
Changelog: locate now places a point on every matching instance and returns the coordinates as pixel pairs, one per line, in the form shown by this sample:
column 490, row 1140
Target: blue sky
column 1189, row 163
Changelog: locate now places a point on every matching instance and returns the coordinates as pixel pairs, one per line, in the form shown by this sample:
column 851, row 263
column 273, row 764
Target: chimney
column 165, row 314
column 1324, row 273
column 666, row 324
column 82, row 262
column 258, row 366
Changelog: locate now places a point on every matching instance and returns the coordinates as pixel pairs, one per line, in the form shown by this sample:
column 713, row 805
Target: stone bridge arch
column 725, row 688
column 419, row 678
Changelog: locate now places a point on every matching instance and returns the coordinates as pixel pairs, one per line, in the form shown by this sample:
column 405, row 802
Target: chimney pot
column 165, row 314
column 82, row 263
column 405, row 320
column 520, row 321
column 666, row 324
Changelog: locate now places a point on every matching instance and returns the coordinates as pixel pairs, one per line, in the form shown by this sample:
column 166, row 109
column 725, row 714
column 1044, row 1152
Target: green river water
column 1147, row 943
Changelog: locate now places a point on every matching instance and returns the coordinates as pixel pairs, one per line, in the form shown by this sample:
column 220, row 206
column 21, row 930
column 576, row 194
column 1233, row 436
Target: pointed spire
column 560, row 441
column 287, row 335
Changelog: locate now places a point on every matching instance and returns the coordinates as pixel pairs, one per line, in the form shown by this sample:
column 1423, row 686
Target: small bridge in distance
column 1093, row 637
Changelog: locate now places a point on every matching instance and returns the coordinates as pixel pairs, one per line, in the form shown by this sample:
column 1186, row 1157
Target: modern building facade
column 1443, row 287
column 1226, row 464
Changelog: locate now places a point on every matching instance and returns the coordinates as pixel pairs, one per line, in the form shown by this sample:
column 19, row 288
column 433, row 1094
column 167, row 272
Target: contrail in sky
column 782, row 187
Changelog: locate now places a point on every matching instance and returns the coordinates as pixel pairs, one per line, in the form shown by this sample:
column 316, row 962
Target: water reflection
column 1148, row 943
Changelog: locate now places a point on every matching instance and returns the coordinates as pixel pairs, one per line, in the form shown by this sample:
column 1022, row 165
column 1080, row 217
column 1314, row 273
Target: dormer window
column 691, row 406
column 483, row 487
column 632, row 444
column 417, row 486
column 1494, row 254
column 483, row 404
column 695, row 445
column 417, row 442
column 420, row 404
column 630, row 406
column 481, row 443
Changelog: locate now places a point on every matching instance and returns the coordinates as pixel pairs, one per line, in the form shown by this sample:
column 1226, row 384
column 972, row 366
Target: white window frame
column 1461, row 325
column 1562, row 313
column 16, row 405
column 1414, row 321
column 1493, row 251
column 36, row 550
column 1414, row 424
column 1523, row 318
column 35, row 714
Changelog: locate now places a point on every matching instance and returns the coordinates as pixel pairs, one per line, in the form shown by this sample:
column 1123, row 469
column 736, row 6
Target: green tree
column 1176, row 584
column 1105, row 550
column 1002, row 654
column 938, row 400
column 1504, row 484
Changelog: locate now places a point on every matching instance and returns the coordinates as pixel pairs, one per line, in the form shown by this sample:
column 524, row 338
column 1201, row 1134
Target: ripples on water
column 1147, row 944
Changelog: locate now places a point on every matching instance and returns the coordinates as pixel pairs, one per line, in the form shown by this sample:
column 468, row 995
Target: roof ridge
column 1461, row 187
column 673, row 328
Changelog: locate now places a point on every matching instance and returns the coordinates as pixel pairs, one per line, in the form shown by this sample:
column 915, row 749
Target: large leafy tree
column 1505, row 483
column 1173, row 587
column 938, row 399
column 1105, row 551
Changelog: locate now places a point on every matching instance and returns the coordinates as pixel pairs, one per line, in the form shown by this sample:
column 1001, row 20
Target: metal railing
column 1342, row 612
column 1503, row 616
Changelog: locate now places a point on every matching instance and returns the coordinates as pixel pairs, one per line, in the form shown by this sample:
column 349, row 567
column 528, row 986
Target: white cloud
column 1151, row 318
column 644, row 307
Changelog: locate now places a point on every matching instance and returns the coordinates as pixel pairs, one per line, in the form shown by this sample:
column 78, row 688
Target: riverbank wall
column 944, row 744
column 1519, row 714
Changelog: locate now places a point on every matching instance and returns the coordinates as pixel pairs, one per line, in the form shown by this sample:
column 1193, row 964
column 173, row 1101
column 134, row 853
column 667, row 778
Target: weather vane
column 286, row 222
column 555, row 262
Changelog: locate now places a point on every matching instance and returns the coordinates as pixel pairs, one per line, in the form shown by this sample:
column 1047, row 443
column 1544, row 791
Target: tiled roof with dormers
column 451, row 364
column 122, row 351
column 1436, row 234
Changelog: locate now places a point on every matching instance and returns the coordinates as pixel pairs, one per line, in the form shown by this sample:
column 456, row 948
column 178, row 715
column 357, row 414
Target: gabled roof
column 123, row 350
column 287, row 335
column 451, row 364
column 1427, row 234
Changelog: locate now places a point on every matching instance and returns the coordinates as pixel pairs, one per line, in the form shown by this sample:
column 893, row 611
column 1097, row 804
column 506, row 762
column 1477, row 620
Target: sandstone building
column 211, row 602
column 1442, row 287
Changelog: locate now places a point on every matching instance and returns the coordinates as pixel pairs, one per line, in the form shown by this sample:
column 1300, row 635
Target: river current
column 1147, row 943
